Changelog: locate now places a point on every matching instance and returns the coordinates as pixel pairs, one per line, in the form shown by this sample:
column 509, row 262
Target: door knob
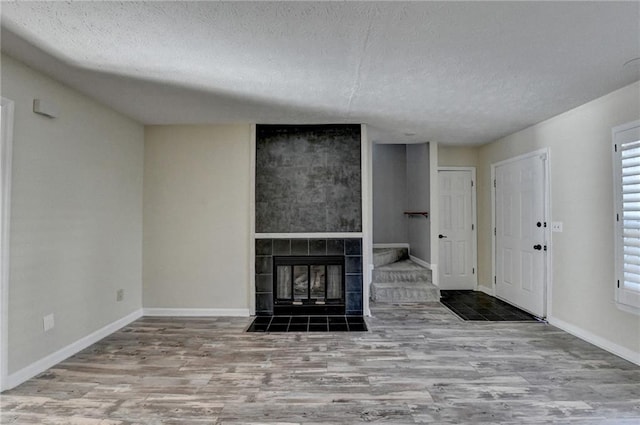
column 442, row 237
column 537, row 247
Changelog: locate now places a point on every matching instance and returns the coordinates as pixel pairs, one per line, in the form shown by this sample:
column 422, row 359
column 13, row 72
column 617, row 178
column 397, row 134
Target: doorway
column 6, row 143
column 520, row 217
column 457, row 228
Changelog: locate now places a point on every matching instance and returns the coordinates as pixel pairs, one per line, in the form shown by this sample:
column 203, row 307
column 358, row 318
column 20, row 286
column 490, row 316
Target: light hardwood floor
column 417, row 364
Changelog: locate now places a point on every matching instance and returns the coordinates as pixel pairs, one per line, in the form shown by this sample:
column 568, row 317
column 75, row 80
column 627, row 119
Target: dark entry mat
column 308, row 324
column 475, row 305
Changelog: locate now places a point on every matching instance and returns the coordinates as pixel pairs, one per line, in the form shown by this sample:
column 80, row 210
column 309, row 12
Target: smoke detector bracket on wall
column 44, row 108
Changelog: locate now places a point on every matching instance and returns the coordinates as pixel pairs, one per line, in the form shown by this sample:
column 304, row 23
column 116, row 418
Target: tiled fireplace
column 313, row 258
column 308, row 182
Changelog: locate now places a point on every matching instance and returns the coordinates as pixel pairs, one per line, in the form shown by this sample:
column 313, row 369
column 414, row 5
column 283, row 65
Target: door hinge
column 617, row 217
column 495, row 281
column 615, row 148
column 473, row 227
column 473, row 270
column 494, row 182
column 494, row 231
column 618, row 284
column 471, row 183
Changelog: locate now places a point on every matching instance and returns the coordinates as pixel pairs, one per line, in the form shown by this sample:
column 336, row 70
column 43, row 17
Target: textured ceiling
column 452, row 72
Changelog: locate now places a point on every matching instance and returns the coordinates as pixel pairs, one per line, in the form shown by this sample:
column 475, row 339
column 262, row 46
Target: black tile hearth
column 308, row 324
column 475, row 305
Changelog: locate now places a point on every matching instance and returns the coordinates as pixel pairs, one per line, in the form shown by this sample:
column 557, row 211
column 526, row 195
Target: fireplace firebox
column 308, row 285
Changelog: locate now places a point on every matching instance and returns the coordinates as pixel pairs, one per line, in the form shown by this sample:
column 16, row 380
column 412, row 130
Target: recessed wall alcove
column 308, row 181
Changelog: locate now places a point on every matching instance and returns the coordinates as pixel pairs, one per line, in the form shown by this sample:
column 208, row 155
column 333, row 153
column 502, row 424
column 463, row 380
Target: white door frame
column 474, row 217
column 547, row 284
column 6, row 146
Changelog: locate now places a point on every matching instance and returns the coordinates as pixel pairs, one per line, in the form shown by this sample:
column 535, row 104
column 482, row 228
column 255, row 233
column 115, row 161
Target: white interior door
column 457, row 229
column 520, row 233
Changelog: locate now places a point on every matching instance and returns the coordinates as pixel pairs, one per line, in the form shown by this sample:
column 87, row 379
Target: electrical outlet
column 556, row 226
column 48, row 322
column 120, row 295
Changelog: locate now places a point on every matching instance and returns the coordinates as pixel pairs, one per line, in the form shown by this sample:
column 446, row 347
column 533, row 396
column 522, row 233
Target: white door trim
column 366, row 167
column 474, row 214
column 6, row 148
column 252, row 223
column 547, row 233
column 434, row 214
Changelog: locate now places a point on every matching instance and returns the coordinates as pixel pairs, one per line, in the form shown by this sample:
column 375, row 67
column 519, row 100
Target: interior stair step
column 403, row 281
column 383, row 256
column 404, row 292
column 401, row 271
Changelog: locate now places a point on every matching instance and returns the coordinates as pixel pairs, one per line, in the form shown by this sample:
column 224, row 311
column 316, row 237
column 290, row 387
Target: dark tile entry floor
column 308, row 324
column 475, row 305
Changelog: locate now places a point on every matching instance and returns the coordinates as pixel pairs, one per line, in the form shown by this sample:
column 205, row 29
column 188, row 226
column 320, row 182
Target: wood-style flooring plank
column 417, row 364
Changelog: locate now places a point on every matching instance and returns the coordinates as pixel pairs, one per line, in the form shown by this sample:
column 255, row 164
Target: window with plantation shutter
column 626, row 182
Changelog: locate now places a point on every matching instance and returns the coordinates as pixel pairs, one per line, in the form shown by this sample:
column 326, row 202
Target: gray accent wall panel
column 308, row 179
column 390, row 194
column 418, row 190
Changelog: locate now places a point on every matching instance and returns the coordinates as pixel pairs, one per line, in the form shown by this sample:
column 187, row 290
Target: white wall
column 582, row 198
column 418, row 199
column 389, row 194
column 458, row 156
column 197, row 217
column 76, row 217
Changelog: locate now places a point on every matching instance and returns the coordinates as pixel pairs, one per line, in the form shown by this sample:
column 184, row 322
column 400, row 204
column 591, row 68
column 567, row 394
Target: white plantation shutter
column 626, row 168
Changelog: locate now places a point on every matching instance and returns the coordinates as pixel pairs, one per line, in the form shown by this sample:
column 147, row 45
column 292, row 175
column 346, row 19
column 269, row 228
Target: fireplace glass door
column 309, row 281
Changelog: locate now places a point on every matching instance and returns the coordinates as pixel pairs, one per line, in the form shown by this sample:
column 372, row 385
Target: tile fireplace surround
column 266, row 249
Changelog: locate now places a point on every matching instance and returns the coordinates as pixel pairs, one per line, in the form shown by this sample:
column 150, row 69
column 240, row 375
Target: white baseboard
column 197, row 312
column 391, row 245
column 605, row 344
column 53, row 359
column 432, row 267
column 486, row 290
column 420, row 262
